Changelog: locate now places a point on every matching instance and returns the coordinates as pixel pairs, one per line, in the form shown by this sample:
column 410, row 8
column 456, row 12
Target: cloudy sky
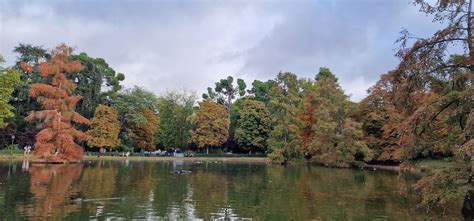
column 190, row 44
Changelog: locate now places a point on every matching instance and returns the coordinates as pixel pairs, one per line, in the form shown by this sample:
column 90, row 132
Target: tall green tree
column 174, row 128
column 211, row 125
column 253, row 126
column 260, row 90
column 9, row 79
column 284, row 105
column 335, row 138
column 28, row 56
column 225, row 92
column 95, row 76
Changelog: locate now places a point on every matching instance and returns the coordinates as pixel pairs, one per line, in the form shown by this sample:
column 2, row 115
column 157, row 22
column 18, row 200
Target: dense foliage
column 330, row 135
column 253, row 126
column 136, row 108
column 174, row 109
column 9, row 79
column 211, row 125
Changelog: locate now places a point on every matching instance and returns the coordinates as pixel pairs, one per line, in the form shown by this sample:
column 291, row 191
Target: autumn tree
column 253, row 126
column 330, row 135
column 9, row 79
column 284, row 105
column 104, row 128
column 225, row 93
column 143, row 133
column 56, row 141
column 380, row 119
column 427, row 99
column 211, row 125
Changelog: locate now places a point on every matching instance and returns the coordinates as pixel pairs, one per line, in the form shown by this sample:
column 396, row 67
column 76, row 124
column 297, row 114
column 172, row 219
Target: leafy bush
column 443, row 186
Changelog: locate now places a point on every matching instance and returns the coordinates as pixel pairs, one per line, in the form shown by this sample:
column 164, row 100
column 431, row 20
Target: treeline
column 421, row 109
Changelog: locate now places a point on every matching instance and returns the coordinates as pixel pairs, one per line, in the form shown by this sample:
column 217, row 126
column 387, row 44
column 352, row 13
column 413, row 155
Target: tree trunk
column 470, row 39
column 470, row 44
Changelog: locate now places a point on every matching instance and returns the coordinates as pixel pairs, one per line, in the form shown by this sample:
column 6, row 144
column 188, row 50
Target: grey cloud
column 191, row 44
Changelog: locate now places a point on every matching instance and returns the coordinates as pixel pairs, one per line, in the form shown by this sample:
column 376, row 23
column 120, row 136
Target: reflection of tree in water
column 52, row 187
column 170, row 192
column 304, row 193
column 14, row 190
column 151, row 190
column 209, row 193
column 134, row 184
column 98, row 182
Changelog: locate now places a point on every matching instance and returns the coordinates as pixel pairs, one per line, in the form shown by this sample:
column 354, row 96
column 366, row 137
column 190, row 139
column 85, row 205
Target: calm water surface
column 126, row 190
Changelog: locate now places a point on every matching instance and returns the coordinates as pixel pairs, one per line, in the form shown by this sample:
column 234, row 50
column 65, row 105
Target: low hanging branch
column 56, row 142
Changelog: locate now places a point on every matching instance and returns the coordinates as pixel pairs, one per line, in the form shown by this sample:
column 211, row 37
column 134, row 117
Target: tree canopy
column 104, row 128
column 211, row 125
column 9, row 80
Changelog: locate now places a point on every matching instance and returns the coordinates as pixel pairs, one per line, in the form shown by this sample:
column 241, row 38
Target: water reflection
column 150, row 190
column 53, row 187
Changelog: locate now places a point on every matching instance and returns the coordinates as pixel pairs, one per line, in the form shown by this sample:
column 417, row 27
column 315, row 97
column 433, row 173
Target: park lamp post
column 11, row 148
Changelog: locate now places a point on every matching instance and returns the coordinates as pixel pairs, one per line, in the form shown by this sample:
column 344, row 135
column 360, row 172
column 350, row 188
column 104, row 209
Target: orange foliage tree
column 56, row 140
column 143, row 132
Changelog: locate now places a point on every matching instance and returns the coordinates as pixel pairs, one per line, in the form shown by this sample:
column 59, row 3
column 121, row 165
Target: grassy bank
column 14, row 156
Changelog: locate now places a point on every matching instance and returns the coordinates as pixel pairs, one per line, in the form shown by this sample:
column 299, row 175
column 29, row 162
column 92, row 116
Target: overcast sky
column 191, row 44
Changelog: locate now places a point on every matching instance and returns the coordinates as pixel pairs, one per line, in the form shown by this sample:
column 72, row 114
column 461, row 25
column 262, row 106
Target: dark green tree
column 284, row 105
column 253, row 126
column 225, row 92
column 95, row 76
column 174, row 109
column 260, row 90
column 28, row 55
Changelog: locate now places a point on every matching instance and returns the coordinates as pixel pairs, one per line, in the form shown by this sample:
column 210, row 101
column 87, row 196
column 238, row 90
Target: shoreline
column 224, row 159
column 21, row 157
column 263, row 160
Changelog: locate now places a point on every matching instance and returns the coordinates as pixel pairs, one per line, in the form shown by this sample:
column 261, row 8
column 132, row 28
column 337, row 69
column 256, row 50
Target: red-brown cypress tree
column 56, row 142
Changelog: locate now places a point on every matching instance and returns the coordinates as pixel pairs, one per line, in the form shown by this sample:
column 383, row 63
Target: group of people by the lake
column 27, row 150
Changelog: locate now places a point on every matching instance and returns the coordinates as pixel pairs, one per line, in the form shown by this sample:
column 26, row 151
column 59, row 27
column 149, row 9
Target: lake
column 125, row 190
